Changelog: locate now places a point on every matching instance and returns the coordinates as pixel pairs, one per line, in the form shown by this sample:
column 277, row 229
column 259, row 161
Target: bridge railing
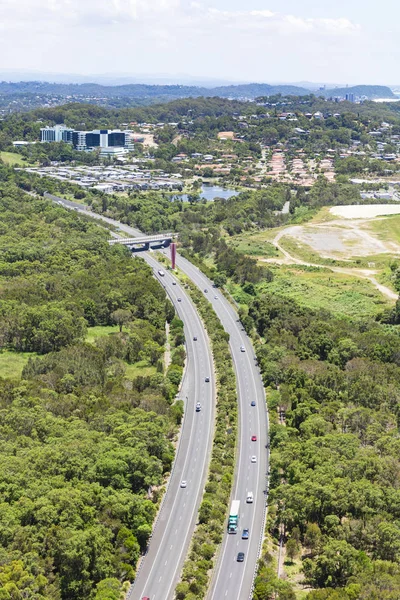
column 143, row 240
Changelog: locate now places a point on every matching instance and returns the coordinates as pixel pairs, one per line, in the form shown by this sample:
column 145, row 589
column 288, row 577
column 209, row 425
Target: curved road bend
column 160, row 568
column 231, row 580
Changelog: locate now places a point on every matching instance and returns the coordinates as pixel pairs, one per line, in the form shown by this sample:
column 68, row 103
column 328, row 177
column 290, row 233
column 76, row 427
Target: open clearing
column 139, row 369
column 11, row 159
column 357, row 253
column 343, row 294
column 12, row 363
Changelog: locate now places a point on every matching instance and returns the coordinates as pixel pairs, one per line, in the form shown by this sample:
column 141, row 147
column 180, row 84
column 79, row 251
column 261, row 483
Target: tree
column 121, row 317
column 292, row 548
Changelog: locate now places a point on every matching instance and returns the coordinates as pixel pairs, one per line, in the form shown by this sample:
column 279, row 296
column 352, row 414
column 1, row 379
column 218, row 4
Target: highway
column 231, row 580
column 160, row 569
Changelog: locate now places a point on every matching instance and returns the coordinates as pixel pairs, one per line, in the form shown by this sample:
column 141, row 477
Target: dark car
column 253, row 403
column 245, row 534
column 240, row 557
column 206, row 291
column 195, row 338
column 179, row 299
column 207, row 379
column 174, row 283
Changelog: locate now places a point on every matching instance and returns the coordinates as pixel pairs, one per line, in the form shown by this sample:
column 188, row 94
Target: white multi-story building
column 88, row 140
column 58, row 133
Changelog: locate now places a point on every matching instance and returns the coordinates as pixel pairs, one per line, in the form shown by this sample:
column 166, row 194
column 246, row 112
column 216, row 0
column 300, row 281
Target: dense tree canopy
column 84, row 449
column 335, row 470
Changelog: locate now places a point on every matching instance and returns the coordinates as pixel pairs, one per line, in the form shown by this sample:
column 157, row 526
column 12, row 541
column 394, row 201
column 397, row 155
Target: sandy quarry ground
column 149, row 140
column 342, row 239
column 365, row 212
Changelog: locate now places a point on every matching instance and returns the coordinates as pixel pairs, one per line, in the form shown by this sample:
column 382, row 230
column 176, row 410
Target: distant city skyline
column 223, row 40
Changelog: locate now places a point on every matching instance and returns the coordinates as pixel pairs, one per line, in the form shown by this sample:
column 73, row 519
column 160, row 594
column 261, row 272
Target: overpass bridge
column 144, row 243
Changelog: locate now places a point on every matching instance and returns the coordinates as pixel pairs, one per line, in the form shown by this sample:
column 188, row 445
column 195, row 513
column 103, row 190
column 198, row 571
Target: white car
column 242, row 349
column 254, row 459
column 183, row 483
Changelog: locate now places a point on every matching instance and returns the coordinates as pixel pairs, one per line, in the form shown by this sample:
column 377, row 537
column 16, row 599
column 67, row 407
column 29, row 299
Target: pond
column 209, row 192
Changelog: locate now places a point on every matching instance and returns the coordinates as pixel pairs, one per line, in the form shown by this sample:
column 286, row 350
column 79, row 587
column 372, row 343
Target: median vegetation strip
column 213, row 509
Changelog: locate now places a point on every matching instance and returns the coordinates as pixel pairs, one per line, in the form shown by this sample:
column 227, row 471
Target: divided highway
column 232, row 580
column 161, row 567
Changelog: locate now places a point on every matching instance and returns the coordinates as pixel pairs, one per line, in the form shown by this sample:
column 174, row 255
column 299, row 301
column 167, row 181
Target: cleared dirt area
column 337, row 240
column 345, row 240
column 365, row 212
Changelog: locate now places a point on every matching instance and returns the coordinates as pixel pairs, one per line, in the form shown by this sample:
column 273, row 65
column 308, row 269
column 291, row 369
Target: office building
column 58, row 133
column 88, row 140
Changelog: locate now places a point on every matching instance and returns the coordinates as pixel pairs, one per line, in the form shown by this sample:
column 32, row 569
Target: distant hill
column 370, row 91
column 249, row 91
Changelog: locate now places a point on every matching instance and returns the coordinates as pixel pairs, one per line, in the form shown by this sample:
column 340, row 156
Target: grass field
column 387, row 229
column 12, row 363
column 141, row 368
column 257, row 243
column 95, row 332
column 341, row 294
column 255, row 247
column 12, row 159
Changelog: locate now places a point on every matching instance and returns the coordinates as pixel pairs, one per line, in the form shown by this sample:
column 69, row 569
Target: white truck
column 233, row 522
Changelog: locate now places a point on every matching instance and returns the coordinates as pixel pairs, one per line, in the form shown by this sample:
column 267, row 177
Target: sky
column 344, row 42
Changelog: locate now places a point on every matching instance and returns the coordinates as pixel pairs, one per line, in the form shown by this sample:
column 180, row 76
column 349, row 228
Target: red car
column 253, row 438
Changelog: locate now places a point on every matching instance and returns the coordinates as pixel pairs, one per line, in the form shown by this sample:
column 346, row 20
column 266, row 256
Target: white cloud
column 191, row 36
column 280, row 23
column 76, row 11
column 125, row 12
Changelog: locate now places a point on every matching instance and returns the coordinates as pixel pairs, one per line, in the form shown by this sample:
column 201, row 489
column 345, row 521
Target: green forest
column 84, row 448
column 335, row 459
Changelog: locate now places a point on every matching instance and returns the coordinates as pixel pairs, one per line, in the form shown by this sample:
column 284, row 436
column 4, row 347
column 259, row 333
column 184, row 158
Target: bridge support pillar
column 173, row 255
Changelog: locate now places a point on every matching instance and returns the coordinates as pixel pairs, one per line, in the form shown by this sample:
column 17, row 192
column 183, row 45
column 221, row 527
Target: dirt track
column 369, row 244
